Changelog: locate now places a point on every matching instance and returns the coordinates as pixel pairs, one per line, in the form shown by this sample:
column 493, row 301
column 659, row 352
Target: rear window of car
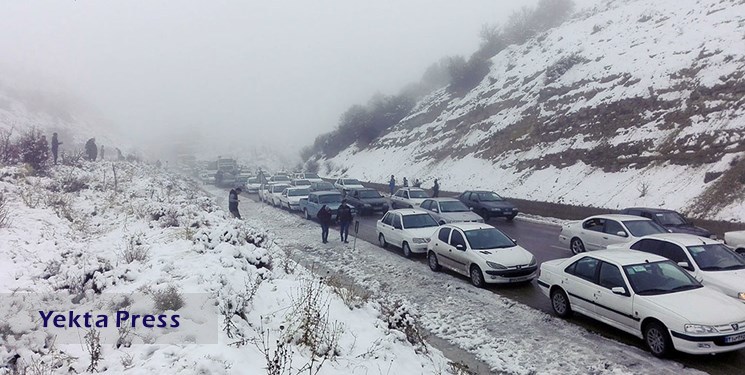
column 641, row 228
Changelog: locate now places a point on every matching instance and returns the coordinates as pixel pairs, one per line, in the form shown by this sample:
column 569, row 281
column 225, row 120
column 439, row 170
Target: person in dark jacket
column 55, row 147
column 392, row 184
column 406, row 182
column 344, row 216
column 435, row 189
column 233, row 202
column 91, row 149
column 102, row 152
column 324, row 217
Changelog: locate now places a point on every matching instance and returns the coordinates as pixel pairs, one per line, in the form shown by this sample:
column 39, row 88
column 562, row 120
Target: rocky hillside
column 637, row 102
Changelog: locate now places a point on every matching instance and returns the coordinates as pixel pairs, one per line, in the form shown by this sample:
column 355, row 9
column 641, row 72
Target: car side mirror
column 685, row 265
column 514, row 240
column 622, row 233
column 470, row 208
column 619, row 290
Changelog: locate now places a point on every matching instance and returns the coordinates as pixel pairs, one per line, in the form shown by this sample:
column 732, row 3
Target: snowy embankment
column 510, row 337
column 157, row 245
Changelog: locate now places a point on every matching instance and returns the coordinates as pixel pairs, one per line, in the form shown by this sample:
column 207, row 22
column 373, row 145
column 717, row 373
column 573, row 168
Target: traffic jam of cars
column 645, row 271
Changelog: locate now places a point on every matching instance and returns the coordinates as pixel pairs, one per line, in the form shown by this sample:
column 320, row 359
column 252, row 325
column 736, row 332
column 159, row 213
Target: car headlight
column 496, row 265
column 700, row 328
column 420, row 240
column 533, row 261
column 741, row 296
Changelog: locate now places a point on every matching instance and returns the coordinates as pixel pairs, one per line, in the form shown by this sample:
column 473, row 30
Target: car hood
column 688, row 229
column 416, row 201
column 498, row 204
column 508, row 257
column 373, row 200
column 729, row 282
column 421, row 232
column 460, row 216
column 701, row 306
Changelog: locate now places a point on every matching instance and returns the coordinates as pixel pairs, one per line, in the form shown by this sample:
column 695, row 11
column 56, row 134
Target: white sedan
column 275, row 192
column 291, row 197
column 408, row 197
column 736, row 240
column 647, row 296
column 344, row 184
column 409, row 230
column 482, row 252
column 598, row 232
column 709, row 261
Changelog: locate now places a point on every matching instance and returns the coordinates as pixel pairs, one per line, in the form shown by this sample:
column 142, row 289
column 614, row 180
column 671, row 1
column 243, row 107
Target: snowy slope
column 632, row 104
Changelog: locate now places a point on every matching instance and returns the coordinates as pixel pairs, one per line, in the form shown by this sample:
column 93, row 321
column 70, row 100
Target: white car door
column 396, row 231
column 614, row 233
column 385, row 226
column 582, row 288
column 592, row 233
column 441, row 246
column 617, row 309
column 457, row 251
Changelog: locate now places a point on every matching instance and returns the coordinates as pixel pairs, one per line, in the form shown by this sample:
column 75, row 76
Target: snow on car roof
column 409, row 211
column 623, row 257
column 619, row 217
column 470, row 226
column 443, row 199
column 684, row 239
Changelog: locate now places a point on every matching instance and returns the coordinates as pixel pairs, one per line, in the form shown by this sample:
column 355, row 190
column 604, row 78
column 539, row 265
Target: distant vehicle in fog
column 253, row 185
column 488, row 204
column 736, row 240
column 322, row 186
column 450, row 210
column 669, row 219
column 600, row 231
column 344, row 184
column 408, row 197
column 290, row 198
column 280, row 178
column 367, row 201
column 298, row 182
column 312, row 177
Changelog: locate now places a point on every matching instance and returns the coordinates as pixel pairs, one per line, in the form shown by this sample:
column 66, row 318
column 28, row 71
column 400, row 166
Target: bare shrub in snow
column 9, row 152
column 560, row 67
column 169, row 298
column 51, row 269
column 135, row 249
column 238, row 234
column 232, row 303
column 351, row 294
column 123, row 338
column 72, row 182
column 643, row 189
column 34, row 150
column 31, row 195
column 459, row 368
column 127, row 361
column 402, row 318
column 279, row 359
column 4, row 211
column 309, row 324
column 61, row 204
column 93, row 347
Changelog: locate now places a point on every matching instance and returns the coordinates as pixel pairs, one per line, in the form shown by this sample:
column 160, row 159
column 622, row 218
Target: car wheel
column 560, row 303
column 485, row 214
column 477, row 277
column 407, row 250
column 305, row 213
column 657, row 339
column 434, row 265
column 577, row 246
column 381, row 241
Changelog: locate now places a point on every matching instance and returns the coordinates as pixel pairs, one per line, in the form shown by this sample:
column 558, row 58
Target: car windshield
column 418, row 221
column 331, row 198
column 640, row 228
column 659, row 278
column 311, row 175
column 670, row 218
column 302, row 183
column 324, row 186
column 716, row 257
column 350, row 181
column 298, row 192
column 418, row 194
column 369, row 194
column 453, row 206
column 489, row 197
column 279, row 188
column 280, row 178
column 488, row 238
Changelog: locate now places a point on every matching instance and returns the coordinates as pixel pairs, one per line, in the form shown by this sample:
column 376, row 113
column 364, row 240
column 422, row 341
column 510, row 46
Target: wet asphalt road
column 542, row 240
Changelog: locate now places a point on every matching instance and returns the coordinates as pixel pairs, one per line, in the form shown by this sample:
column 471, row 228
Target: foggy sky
column 277, row 72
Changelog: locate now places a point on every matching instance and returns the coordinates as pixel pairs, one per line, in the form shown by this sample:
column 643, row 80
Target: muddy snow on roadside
column 510, row 337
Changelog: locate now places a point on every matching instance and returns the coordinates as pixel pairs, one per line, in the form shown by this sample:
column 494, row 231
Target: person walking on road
column 91, row 149
column 392, row 184
column 435, row 189
column 55, row 147
column 324, row 217
column 406, row 182
column 344, row 216
column 233, row 202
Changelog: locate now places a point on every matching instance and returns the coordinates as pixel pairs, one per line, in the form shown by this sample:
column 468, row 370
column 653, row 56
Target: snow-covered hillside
column 639, row 102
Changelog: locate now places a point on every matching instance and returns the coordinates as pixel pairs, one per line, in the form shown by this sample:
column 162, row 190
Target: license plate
column 734, row 338
column 518, row 279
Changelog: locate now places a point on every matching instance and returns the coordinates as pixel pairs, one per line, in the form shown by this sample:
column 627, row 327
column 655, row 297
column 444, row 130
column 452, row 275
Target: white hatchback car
column 598, row 232
column 274, row 193
column 647, row 296
column 482, row 252
column 450, row 210
column 410, row 230
column 290, row 198
column 343, row 184
column 710, row 261
column 408, row 197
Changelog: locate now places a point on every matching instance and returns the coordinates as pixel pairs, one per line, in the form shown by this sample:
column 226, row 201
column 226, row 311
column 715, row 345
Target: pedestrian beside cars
column 324, row 217
column 406, row 182
column 435, row 189
column 344, row 216
column 233, row 202
column 417, row 183
column 392, row 184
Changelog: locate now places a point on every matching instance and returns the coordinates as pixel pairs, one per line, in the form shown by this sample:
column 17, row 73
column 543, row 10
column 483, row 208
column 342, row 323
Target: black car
column 322, row 186
column 669, row 219
column 367, row 200
column 488, row 204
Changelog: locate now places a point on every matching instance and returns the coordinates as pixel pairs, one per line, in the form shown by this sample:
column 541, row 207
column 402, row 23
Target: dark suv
column 488, row 204
column 669, row 219
column 367, row 200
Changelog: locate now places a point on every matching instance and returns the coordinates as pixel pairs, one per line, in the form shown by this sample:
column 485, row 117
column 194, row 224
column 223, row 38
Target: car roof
column 362, row 189
column 650, row 209
column 409, row 211
column 410, row 188
column 623, row 257
column 469, row 226
column 684, row 239
column 443, row 199
column 326, row 193
column 297, row 188
column 619, row 217
column 478, row 191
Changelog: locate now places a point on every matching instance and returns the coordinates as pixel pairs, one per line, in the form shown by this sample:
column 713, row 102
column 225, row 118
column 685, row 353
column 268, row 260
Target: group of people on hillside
column 417, row 183
column 91, row 149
